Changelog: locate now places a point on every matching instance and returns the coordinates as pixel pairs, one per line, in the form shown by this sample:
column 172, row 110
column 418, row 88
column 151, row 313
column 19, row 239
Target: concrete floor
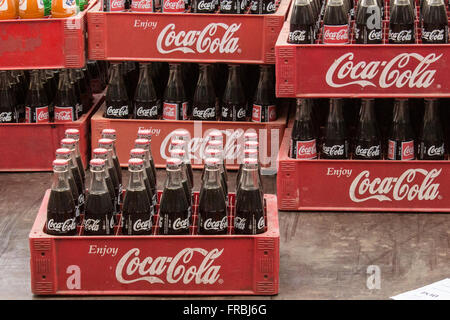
column 322, row 255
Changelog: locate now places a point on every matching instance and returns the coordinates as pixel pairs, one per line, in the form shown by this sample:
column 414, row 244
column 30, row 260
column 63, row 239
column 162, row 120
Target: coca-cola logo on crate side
column 164, row 269
column 408, row 186
column 410, row 70
column 215, row 37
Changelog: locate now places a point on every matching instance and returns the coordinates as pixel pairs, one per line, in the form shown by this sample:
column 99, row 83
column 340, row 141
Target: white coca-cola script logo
column 148, row 113
column 433, row 35
column 435, row 151
column 241, row 113
column 117, row 4
column 375, row 34
column 271, row 7
column 65, row 226
column 117, row 112
column 91, row 224
column 205, row 5
column 239, row 223
column 208, row 113
column 179, row 224
column 42, row 115
column 141, row 5
column 336, row 150
column 202, row 41
column 399, row 71
column 396, row 188
column 261, row 223
column 132, row 269
column 226, row 5
column 140, row 225
column 63, row 115
column 297, row 35
column 174, row 5
column 373, row 151
column 341, row 35
column 6, row 116
column 408, row 151
column 306, row 150
column 216, row 225
column 401, row 36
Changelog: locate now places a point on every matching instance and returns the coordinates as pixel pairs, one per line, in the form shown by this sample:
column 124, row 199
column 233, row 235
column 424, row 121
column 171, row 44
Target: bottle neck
column 303, row 111
column 335, row 114
column 136, row 180
column 35, row 80
column 402, row 112
column 211, row 178
column 4, row 83
column 97, row 183
column 367, row 111
column 173, row 178
column 431, row 111
column 60, row 180
column 250, row 177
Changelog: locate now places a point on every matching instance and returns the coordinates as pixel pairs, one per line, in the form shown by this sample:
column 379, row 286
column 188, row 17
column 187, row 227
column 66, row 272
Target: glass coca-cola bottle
column 435, row 22
column 174, row 215
column 75, row 135
column 368, row 24
column 335, row 23
column 249, row 215
column 65, row 154
column 79, row 181
column 99, row 216
column 139, row 153
column 85, row 89
column 185, row 136
column 117, row 104
column 178, row 153
column 18, row 94
column 367, row 144
column 175, row 104
column 75, row 86
column 108, row 145
column 61, row 211
column 215, row 154
column 212, row 208
column 401, row 143
column 111, row 134
column 264, row 103
column 151, row 172
column 303, row 136
column 204, row 102
column 431, row 141
column 335, row 144
column 36, row 103
column 218, row 145
column 146, row 103
column 233, row 106
column 65, row 104
column 401, row 22
column 102, row 153
column 137, row 207
column 302, row 23
column 8, row 112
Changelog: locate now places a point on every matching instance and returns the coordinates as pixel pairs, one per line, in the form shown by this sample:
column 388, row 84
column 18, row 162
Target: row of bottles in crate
column 370, row 129
column 41, row 96
column 137, row 214
column 306, row 18
column 188, row 91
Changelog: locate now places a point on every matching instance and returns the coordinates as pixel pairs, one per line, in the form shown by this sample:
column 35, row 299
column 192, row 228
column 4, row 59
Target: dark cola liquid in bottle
column 204, row 102
column 367, row 144
column 177, row 153
column 249, row 215
column 75, row 86
column 102, row 153
column 368, row 25
column 335, row 23
column 8, row 112
column 174, row 215
column 234, row 106
column 212, row 208
column 185, row 136
column 401, row 144
column 264, row 103
column 401, row 23
column 65, row 154
column 109, row 166
column 146, row 103
column 303, row 137
column 112, row 135
column 138, row 209
column 148, row 163
column 85, row 89
column 335, row 144
column 175, row 104
column 65, row 104
column 99, row 216
column 431, row 141
column 302, row 23
column 18, row 94
column 230, row 6
column 36, row 103
column 435, row 22
column 75, row 135
column 61, row 211
column 139, row 153
column 117, row 104
column 146, row 134
column 203, row 6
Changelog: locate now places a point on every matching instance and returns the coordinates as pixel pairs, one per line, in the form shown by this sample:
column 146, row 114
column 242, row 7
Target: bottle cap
column 177, row 143
column 251, row 161
column 137, row 152
column 135, row 163
column 141, row 142
column 213, row 153
column 181, row 133
column 97, row 163
column 215, row 135
column 63, row 151
column 212, row 162
column 73, row 133
column 109, row 133
column 215, row 144
column 60, row 163
column 173, row 162
column 144, row 134
column 68, row 142
column 177, row 153
column 105, row 143
column 100, row 151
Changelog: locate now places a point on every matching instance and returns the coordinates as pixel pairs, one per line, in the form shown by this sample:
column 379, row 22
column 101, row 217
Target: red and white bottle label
column 335, row 34
column 117, row 5
column 174, row 6
column 171, row 112
column 64, row 114
column 42, row 115
column 264, row 113
column 408, row 150
column 306, row 149
column 142, row 6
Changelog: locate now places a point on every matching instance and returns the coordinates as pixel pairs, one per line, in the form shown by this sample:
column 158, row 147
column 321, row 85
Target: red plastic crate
column 47, row 43
column 355, row 70
column 359, row 185
column 31, row 146
column 169, row 265
column 269, row 135
column 144, row 36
